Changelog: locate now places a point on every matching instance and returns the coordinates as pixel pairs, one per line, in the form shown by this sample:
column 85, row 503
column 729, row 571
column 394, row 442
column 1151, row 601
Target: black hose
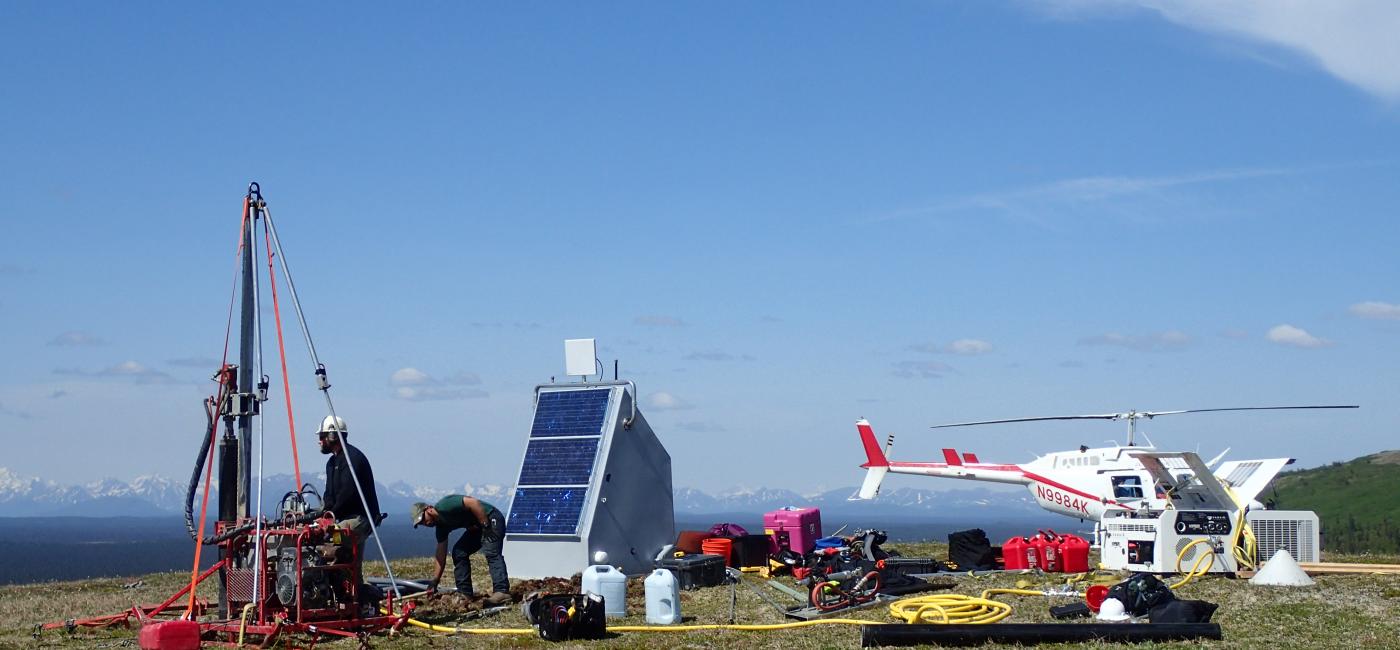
column 199, row 469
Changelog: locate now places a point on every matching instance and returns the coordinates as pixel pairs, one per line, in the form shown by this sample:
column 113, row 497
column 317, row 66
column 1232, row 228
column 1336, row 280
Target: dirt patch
column 547, row 585
column 1386, row 458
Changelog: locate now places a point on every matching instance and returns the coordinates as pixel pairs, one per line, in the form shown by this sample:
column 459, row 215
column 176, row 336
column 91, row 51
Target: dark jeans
column 471, row 542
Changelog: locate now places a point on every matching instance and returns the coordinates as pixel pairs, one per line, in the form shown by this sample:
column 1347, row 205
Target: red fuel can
column 1051, row 560
column 1035, row 553
column 169, row 635
column 1074, row 554
column 1013, row 554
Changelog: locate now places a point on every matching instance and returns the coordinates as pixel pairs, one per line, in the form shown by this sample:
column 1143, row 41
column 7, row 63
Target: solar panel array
column 553, row 484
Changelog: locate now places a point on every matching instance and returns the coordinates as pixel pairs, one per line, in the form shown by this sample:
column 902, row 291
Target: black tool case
column 695, row 571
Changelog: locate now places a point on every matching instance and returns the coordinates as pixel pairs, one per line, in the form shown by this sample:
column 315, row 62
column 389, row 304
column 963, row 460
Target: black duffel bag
column 971, row 550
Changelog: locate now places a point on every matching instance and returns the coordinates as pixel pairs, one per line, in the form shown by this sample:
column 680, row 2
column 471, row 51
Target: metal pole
column 246, row 350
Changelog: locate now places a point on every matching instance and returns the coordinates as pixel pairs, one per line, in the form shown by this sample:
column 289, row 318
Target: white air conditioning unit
column 1296, row 531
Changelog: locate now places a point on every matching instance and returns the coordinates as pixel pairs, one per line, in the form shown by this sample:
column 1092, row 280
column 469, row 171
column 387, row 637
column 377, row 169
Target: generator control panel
column 1203, row 522
column 1168, row 541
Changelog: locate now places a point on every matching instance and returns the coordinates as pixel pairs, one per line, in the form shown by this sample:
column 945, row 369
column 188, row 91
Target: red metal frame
column 271, row 618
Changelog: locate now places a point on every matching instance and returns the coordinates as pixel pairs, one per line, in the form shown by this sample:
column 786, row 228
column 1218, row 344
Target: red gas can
column 1050, row 560
column 169, row 635
column 1013, row 554
column 1035, row 553
column 1074, row 554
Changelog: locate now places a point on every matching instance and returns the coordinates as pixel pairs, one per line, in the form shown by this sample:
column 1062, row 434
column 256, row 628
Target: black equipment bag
column 1182, row 611
column 568, row 616
column 1140, row 593
column 971, row 550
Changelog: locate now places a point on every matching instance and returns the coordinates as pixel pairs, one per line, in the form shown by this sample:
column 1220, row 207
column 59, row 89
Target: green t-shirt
column 453, row 515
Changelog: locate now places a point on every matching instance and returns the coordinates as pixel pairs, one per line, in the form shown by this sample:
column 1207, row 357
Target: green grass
column 1358, row 501
column 1342, row 611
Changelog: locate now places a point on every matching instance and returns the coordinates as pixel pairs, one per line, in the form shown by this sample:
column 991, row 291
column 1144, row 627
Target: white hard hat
column 333, row 423
column 1112, row 610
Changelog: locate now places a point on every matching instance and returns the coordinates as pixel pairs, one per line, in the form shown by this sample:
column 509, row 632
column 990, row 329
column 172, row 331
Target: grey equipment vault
column 594, row 485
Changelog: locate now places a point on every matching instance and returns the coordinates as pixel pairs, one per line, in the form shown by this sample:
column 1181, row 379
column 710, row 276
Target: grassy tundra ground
column 1342, row 611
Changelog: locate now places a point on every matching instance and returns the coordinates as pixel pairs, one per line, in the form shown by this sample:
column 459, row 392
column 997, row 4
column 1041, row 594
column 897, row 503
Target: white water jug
column 609, row 583
column 663, row 598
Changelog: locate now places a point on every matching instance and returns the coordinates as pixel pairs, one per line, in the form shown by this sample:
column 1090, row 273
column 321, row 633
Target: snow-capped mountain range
column 157, row 495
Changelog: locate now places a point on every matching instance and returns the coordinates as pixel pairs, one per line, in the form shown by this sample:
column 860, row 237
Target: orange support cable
column 282, row 353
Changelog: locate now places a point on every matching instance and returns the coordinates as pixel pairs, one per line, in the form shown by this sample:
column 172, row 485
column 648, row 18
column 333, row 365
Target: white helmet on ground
column 334, row 423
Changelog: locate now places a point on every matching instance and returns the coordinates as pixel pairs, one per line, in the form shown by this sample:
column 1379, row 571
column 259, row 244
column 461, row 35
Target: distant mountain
column 22, row 496
column 907, row 502
column 148, row 496
column 1358, row 502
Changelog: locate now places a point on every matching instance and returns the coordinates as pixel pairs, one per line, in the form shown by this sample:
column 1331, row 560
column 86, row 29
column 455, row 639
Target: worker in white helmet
column 340, row 497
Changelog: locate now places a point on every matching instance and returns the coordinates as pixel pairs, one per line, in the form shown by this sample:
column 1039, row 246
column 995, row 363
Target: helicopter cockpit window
column 1127, row 487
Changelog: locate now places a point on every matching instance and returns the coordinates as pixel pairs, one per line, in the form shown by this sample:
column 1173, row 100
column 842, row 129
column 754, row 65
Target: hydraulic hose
column 938, row 608
column 198, row 469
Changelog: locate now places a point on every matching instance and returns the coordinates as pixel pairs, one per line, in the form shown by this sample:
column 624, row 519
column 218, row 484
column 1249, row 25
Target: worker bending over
column 485, row 531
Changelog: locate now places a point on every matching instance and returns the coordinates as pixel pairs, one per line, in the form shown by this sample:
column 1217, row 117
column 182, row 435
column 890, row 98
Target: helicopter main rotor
column 1133, row 416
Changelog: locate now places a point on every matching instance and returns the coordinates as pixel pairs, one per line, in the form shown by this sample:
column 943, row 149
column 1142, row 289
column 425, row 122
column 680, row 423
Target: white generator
column 1200, row 521
column 1168, row 541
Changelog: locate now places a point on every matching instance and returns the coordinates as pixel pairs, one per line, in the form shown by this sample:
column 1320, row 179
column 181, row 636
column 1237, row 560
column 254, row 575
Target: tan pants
column 360, row 527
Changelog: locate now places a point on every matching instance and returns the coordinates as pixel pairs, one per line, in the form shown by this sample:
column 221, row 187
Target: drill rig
column 295, row 571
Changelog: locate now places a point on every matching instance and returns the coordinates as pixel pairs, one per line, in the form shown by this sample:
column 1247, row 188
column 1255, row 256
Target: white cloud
column 409, row 377
column 659, row 321
column 129, row 370
column 1353, row 40
column 920, row 369
column 1168, row 340
column 1074, row 194
column 414, row 385
column 965, row 347
column 1376, row 310
column 969, row 347
column 75, row 339
column 1286, row 334
column 663, row 401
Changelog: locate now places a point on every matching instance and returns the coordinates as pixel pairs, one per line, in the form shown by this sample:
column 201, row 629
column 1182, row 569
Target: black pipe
column 228, row 476
column 199, row 469
column 1032, row 633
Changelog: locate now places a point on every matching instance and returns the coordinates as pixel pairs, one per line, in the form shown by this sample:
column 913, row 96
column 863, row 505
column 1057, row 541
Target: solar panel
column 570, row 413
column 558, row 462
column 546, row 511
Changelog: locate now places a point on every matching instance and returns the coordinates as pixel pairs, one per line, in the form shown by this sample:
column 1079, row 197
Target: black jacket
column 340, row 496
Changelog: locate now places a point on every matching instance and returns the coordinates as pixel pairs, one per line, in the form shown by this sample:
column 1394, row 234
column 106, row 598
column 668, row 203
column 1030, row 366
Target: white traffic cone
column 1281, row 571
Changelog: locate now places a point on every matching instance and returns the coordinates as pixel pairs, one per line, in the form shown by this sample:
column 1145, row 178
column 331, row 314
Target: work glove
column 432, row 587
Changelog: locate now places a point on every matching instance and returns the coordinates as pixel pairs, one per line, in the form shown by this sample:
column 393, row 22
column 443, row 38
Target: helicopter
column 1087, row 482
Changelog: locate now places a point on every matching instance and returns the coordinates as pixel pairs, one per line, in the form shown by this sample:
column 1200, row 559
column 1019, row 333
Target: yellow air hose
column 938, row 608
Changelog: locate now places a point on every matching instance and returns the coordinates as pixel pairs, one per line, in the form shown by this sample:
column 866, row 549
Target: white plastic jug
column 609, row 583
column 663, row 598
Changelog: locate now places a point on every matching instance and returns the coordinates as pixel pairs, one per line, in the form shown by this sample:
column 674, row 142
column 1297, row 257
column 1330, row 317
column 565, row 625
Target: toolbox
column 695, row 571
column 793, row 528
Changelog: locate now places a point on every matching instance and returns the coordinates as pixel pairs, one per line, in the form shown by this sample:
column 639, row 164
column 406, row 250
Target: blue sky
column 779, row 217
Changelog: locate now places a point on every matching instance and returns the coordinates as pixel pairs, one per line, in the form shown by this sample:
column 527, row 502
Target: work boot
column 498, row 598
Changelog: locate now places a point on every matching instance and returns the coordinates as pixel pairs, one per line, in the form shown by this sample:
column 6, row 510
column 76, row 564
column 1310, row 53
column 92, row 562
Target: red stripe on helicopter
column 1016, row 469
column 1061, row 486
